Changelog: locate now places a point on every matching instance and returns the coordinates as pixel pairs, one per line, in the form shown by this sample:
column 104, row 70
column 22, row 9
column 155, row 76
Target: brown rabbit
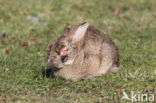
column 82, row 52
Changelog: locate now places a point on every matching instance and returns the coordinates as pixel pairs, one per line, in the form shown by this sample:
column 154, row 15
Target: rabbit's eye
column 60, row 46
column 64, row 58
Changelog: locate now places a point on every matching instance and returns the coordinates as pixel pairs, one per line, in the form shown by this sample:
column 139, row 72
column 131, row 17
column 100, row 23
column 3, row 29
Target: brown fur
column 94, row 55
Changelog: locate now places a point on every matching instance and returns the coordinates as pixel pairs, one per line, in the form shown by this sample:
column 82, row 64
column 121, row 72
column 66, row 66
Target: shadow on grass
column 49, row 72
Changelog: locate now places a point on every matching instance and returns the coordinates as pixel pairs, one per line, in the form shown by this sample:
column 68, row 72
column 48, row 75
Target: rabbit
column 82, row 52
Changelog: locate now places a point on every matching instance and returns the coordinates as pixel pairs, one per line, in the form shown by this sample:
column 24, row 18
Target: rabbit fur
column 82, row 52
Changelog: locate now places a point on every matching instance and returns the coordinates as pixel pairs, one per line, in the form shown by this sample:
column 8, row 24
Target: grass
column 131, row 24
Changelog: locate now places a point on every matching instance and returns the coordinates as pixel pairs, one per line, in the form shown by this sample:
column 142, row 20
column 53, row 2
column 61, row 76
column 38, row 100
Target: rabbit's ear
column 80, row 32
column 66, row 31
column 50, row 45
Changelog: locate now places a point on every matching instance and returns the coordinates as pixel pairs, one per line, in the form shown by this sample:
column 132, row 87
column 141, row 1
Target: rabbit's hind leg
column 104, row 67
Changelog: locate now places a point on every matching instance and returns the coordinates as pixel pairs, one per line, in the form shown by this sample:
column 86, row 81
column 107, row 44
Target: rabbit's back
column 98, row 44
column 94, row 39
